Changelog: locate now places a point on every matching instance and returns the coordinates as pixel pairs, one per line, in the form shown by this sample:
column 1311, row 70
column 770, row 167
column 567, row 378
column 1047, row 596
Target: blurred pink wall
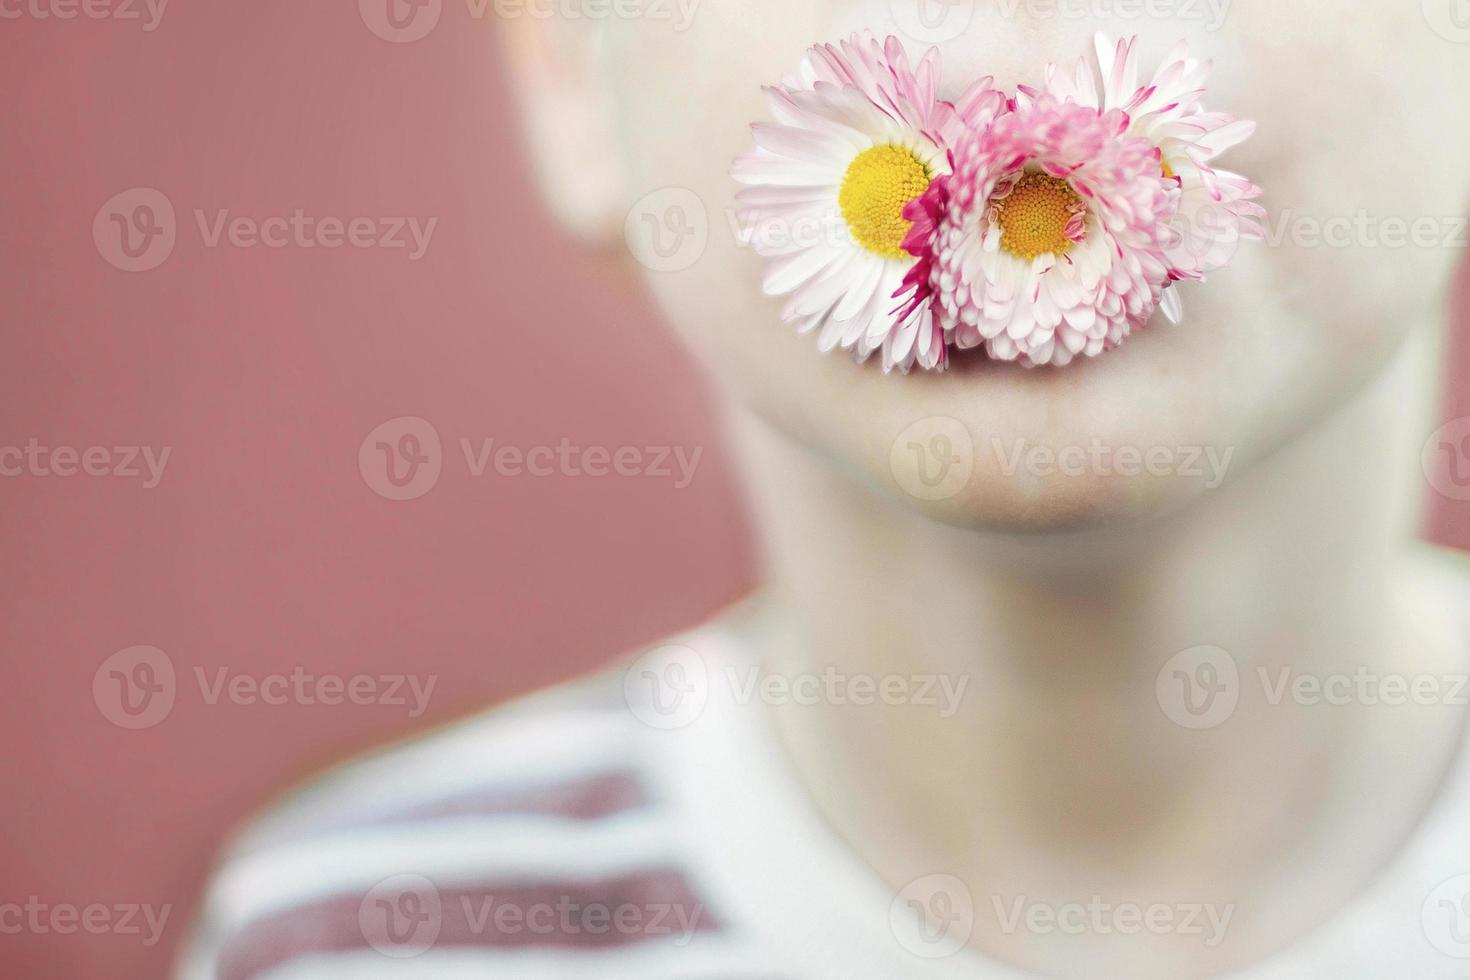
column 264, row 548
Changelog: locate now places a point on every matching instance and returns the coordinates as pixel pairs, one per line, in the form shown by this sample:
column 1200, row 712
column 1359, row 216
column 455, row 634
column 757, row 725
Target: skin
column 1312, row 369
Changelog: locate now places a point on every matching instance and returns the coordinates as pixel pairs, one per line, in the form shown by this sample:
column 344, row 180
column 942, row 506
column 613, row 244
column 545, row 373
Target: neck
column 1061, row 758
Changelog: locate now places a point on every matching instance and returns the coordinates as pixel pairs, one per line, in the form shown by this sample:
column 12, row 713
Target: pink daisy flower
column 857, row 134
column 1049, row 239
column 1217, row 208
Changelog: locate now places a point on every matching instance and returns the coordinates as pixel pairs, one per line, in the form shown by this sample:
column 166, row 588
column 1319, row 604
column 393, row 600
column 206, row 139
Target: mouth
column 1044, row 226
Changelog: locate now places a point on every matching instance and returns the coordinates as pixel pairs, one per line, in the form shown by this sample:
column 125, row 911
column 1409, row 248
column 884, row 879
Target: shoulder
column 513, row 836
column 549, row 752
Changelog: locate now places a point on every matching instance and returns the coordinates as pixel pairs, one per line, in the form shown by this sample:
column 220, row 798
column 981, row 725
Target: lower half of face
column 1361, row 155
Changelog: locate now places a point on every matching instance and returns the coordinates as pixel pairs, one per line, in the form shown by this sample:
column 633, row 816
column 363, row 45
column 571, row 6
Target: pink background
column 263, row 548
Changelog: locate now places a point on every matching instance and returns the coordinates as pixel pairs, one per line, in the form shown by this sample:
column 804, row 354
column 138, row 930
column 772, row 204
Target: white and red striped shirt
column 641, row 825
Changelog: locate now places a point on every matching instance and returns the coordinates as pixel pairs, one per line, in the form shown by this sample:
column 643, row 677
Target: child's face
column 1363, row 138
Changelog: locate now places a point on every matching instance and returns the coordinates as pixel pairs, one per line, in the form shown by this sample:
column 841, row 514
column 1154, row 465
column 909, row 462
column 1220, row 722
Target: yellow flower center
column 1034, row 217
column 1168, row 170
column 877, row 186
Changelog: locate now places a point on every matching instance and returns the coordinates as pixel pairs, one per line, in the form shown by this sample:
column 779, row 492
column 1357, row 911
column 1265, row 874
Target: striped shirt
column 641, row 825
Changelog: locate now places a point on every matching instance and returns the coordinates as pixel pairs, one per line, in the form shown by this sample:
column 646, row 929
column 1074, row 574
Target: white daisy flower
column 857, row 135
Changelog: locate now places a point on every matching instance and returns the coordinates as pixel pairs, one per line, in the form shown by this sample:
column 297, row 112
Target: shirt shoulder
column 530, row 838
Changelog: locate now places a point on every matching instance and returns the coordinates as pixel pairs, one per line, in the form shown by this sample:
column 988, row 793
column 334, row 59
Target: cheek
column 682, row 122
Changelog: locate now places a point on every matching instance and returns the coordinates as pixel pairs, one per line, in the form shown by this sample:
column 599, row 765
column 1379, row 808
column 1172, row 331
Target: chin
column 1139, row 432
column 1175, row 415
column 1058, row 505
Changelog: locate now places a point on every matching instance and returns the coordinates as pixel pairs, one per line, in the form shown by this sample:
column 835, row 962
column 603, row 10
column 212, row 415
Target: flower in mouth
column 1042, row 227
column 1217, row 208
column 1049, row 239
column 857, row 135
